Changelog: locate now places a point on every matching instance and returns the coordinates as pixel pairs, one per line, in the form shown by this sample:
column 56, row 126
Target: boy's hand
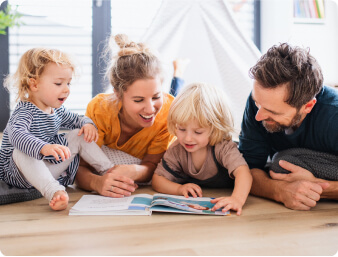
column 229, row 203
column 191, row 188
column 56, row 150
column 90, row 133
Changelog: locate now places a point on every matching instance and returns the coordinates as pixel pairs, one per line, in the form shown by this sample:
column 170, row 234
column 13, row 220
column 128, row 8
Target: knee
column 72, row 136
column 17, row 155
column 73, row 133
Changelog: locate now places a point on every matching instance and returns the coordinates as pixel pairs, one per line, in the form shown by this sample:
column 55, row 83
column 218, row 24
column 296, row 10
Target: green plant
column 9, row 18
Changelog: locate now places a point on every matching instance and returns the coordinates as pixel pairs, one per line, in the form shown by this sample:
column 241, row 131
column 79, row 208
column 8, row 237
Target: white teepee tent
column 205, row 32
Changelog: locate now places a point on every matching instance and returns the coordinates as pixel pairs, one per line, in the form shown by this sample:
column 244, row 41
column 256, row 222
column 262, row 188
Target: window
column 62, row 24
column 68, row 25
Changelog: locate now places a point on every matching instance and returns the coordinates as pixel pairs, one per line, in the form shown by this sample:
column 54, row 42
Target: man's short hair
column 291, row 66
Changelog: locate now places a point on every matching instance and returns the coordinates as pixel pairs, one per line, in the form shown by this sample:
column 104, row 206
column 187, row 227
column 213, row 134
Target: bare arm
column 331, row 192
column 243, row 181
column 140, row 172
column 165, row 186
column 263, row 186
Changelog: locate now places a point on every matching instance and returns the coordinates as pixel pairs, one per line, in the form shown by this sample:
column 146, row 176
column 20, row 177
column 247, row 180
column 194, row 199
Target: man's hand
column 301, row 190
column 90, row 133
column 301, row 194
column 296, row 173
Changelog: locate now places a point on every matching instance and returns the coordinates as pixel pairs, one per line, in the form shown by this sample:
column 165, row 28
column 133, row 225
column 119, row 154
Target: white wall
column 322, row 38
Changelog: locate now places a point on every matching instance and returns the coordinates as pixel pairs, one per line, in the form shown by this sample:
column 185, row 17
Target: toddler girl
column 32, row 153
column 203, row 154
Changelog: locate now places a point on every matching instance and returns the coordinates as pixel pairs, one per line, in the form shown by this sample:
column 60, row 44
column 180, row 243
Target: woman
column 133, row 119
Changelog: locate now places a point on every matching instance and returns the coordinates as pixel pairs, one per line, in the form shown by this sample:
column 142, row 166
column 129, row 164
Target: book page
column 101, row 203
column 201, row 205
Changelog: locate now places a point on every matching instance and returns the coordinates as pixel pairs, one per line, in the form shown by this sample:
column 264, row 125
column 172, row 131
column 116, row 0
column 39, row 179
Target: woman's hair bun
column 128, row 47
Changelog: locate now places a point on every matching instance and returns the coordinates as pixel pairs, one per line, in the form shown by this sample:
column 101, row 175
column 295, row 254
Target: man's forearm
column 264, row 186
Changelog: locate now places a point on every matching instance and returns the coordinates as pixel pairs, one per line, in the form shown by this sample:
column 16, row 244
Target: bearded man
column 290, row 112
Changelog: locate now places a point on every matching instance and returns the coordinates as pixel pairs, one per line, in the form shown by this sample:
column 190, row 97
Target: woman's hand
column 114, row 185
column 229, row 203
column 90, row 133
column 190, row 188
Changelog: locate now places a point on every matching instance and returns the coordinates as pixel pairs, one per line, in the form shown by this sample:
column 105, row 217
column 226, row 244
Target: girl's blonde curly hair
column 32, row 65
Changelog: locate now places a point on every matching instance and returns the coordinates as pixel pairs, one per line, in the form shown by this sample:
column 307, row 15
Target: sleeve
column 169, row 165
column 229, row 156
column 91, row 114
column 71, row 120
column 176, row 85
column 160, row 142
column 253, row 140
column 20, row 136
column 332, row 135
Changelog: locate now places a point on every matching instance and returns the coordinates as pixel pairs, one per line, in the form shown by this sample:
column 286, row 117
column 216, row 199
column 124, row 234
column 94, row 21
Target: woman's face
column 141, row 102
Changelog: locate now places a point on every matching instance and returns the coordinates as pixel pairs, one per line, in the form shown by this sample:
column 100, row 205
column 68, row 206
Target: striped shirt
column 28, row 130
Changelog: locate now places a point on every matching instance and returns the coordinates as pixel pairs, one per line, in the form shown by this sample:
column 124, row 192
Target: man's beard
column 277, row 127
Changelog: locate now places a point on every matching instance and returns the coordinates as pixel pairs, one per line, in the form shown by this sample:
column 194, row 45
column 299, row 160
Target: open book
column 143, row 204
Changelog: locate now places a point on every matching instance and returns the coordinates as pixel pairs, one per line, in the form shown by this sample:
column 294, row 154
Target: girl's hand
column 90, row 133
column 193, row 189
column 229, row 203
column 56, row 151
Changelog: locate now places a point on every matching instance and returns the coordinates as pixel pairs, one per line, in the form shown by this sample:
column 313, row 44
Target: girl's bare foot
column 59, row 201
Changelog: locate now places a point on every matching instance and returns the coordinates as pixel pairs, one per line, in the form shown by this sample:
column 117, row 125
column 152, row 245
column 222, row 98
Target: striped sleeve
column 71, row 120
column 20, row 136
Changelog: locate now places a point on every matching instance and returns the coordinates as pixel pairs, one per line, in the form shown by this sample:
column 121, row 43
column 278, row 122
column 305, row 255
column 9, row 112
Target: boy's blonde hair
column 206, row 104
column 133, row 61
column 31, row 65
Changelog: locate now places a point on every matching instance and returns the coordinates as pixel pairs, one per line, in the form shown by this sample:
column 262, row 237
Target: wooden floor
column 265, row 228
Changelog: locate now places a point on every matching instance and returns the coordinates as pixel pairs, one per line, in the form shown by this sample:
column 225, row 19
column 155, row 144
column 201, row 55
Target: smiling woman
column 132, row 119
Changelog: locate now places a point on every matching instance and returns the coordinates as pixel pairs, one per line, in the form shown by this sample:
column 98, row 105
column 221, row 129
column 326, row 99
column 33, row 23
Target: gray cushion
column 321, row 165
column 10, row 194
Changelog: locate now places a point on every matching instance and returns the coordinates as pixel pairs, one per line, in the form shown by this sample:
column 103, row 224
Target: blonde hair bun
column 128, row 47
column 131, row 62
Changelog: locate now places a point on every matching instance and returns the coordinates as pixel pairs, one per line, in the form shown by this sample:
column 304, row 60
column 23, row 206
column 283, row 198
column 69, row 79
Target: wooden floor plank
column 264, row 228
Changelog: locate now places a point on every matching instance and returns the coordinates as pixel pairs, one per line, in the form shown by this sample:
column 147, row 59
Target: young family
column 184, row 143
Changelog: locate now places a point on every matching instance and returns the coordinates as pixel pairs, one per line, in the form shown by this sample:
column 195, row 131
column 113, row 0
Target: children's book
column 143, row 204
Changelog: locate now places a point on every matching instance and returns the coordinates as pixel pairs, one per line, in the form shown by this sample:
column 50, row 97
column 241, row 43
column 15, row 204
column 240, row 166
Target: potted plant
column 9, row 18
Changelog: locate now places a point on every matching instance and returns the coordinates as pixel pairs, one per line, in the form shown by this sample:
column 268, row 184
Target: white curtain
column 205, row 32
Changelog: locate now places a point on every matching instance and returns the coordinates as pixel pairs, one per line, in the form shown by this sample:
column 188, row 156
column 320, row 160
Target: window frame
column 4, row 70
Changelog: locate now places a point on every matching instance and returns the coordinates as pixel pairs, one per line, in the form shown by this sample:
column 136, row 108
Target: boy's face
column 192, row 136
column 51, row 89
